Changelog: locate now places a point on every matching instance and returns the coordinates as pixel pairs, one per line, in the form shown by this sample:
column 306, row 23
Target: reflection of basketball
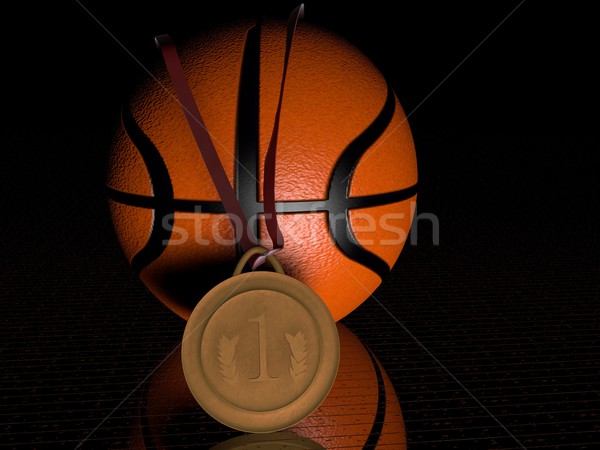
column 361, row 410
column 346, row 167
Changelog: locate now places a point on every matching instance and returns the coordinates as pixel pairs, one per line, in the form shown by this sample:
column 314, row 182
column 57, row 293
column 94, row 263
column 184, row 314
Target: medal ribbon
column 210, row 156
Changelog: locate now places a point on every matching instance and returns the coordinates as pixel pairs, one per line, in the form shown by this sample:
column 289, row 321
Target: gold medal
column 260, row 352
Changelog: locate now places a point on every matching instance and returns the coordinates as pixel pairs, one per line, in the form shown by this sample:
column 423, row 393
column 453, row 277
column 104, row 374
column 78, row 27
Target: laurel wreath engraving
column 298, row 356
column 226, row 357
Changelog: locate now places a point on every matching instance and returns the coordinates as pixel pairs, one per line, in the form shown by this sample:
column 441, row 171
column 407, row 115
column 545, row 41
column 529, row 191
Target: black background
column 508, row 302
column 533, row 74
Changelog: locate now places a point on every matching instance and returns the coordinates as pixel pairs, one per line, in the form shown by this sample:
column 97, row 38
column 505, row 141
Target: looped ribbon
column 211, row 158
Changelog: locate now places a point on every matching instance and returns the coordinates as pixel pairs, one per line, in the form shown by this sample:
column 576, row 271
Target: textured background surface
column 500, row 319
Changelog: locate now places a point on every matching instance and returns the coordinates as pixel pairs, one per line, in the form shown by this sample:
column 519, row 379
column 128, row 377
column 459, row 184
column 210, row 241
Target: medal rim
column 260, row 421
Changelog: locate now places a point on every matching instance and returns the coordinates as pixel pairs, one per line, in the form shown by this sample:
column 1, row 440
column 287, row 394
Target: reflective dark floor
column 361, row 410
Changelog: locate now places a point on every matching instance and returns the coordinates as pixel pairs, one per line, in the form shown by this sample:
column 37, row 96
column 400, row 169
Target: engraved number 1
column 263, row 374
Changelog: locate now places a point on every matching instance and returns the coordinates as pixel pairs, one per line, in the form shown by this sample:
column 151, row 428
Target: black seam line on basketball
column 176, row 205
column 285, row 207
column 368, row 201
column 161, row 187
column 379, row 421
column 248, row 128
column 339, row 190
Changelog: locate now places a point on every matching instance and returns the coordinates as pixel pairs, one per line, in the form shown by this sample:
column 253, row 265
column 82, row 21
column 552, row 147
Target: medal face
column 260, row 352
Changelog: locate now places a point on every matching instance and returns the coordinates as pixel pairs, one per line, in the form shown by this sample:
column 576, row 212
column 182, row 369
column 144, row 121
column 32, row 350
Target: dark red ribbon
column 270, row 158
column 211, row 158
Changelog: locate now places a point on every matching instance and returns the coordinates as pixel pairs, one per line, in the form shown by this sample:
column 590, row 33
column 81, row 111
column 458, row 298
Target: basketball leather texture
column 346, row 170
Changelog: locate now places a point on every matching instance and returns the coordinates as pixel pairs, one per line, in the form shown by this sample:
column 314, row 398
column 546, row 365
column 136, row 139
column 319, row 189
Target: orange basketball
column 360, row 411
column 346, row 169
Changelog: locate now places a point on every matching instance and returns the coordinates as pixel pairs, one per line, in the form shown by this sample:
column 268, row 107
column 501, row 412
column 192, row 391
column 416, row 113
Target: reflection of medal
column 260, row 351
column 274, row 441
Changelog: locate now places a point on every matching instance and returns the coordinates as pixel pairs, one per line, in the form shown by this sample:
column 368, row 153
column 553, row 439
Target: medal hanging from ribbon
column 260, row 351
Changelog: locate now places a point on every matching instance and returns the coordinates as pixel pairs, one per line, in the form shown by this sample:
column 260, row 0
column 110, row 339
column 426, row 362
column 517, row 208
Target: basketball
column 346, row 172
column 361, row 410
